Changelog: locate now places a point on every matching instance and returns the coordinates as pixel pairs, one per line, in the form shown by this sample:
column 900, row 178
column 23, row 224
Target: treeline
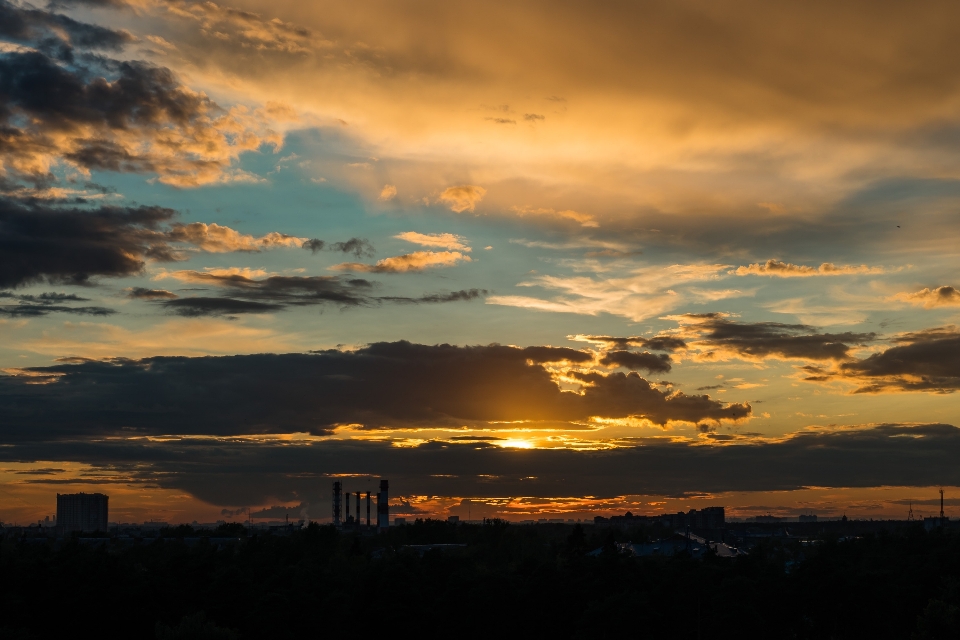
column 508, row 580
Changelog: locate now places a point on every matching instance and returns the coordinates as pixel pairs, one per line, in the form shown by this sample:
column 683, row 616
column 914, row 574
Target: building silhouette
column 82, row 511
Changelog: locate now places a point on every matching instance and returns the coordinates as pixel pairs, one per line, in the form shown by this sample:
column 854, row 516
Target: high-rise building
column 82, row 511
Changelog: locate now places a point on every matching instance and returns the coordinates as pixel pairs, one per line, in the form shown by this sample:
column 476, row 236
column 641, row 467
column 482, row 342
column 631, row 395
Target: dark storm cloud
column 66, row 4
column 61, row 99
column 109, row 156
column 657, row 343
column 233, row 473
column 26, row 25
column 275, row 293
column 464, row 295
column 360, row 247
column 26, row 310
column 201, row 306
column 637, row 361
column 42, row 242
column 314, row 245
column 923, row 361
column 381, row 385
column 142, row 293
column 770, row 339
column 93, row 112
column 247, row 295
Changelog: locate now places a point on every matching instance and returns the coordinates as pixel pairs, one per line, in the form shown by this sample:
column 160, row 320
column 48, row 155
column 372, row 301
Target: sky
column 525, row 260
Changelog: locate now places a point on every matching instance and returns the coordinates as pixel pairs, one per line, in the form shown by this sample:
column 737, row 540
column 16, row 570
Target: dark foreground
column 508, row 581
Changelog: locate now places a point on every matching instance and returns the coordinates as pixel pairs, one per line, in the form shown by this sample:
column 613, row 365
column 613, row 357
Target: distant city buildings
column 708, row 518
column 82, row 511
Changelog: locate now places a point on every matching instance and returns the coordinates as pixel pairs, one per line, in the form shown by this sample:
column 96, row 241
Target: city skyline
column 538, row 261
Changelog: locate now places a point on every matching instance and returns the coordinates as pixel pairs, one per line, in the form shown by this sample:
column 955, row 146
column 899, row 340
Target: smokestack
column 368, row 509
column 358, row 510
column 383, row 506
column 347, row 519
column 337, row 492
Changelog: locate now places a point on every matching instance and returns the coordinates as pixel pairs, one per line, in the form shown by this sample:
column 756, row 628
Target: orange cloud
column 215, row 238
column 416, row 261
column 463, row 198
column 441, row 240
column 945, row 296
column 786, row 270
column 583, row 219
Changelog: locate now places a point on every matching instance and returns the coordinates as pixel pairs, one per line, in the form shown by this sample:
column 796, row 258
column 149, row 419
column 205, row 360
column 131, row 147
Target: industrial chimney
column 337, row 493
column 383, row 507
column 368, row 509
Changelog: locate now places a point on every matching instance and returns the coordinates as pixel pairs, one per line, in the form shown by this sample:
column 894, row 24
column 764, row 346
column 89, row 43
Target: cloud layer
column 381, row 385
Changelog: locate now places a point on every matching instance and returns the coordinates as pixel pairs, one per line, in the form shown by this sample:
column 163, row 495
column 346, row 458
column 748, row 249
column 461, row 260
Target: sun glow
column 516, row 444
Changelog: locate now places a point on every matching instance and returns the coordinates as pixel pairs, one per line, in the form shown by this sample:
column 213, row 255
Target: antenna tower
column 942, row 519
column 910, row 513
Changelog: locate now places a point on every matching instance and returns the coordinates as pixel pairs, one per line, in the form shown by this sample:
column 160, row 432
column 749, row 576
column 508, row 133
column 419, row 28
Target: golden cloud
column 441, row 240
column 416, row 261
column 462, row 198
column 787, row 270
column 945, row 296
column 583, row 219
column 215, row 238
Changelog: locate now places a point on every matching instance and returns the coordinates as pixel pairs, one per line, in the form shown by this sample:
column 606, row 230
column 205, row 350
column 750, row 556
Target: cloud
column 416, row 261
column 204, row 306
column 229, row 472
column 643, row 293
column 33, row 306
column 28, row 25
column 314, row 245
column 94, row 113
column 41, row 242
column 72, row 245
column 786, row 270
column 360, row 247
column 718, row 338
column 141, row 293
column 637, row 361
column 246, row 291
column 945, row 296
column 380, row 385
column 441, row 240
column 464, row 295
column 657, row 343
column 389, row 192
column 215, row 238
column 584, row 219
column 90, row 125
column 922, row 361
column 463, row 198
column 245, row 294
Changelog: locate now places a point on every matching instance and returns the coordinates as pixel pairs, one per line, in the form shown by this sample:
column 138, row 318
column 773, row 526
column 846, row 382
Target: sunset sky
column 525, row 260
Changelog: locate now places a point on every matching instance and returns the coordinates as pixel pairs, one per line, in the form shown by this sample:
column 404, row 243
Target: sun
column 516, row 444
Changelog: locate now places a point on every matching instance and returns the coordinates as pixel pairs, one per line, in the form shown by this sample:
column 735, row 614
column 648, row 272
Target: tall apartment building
column 82, row 511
